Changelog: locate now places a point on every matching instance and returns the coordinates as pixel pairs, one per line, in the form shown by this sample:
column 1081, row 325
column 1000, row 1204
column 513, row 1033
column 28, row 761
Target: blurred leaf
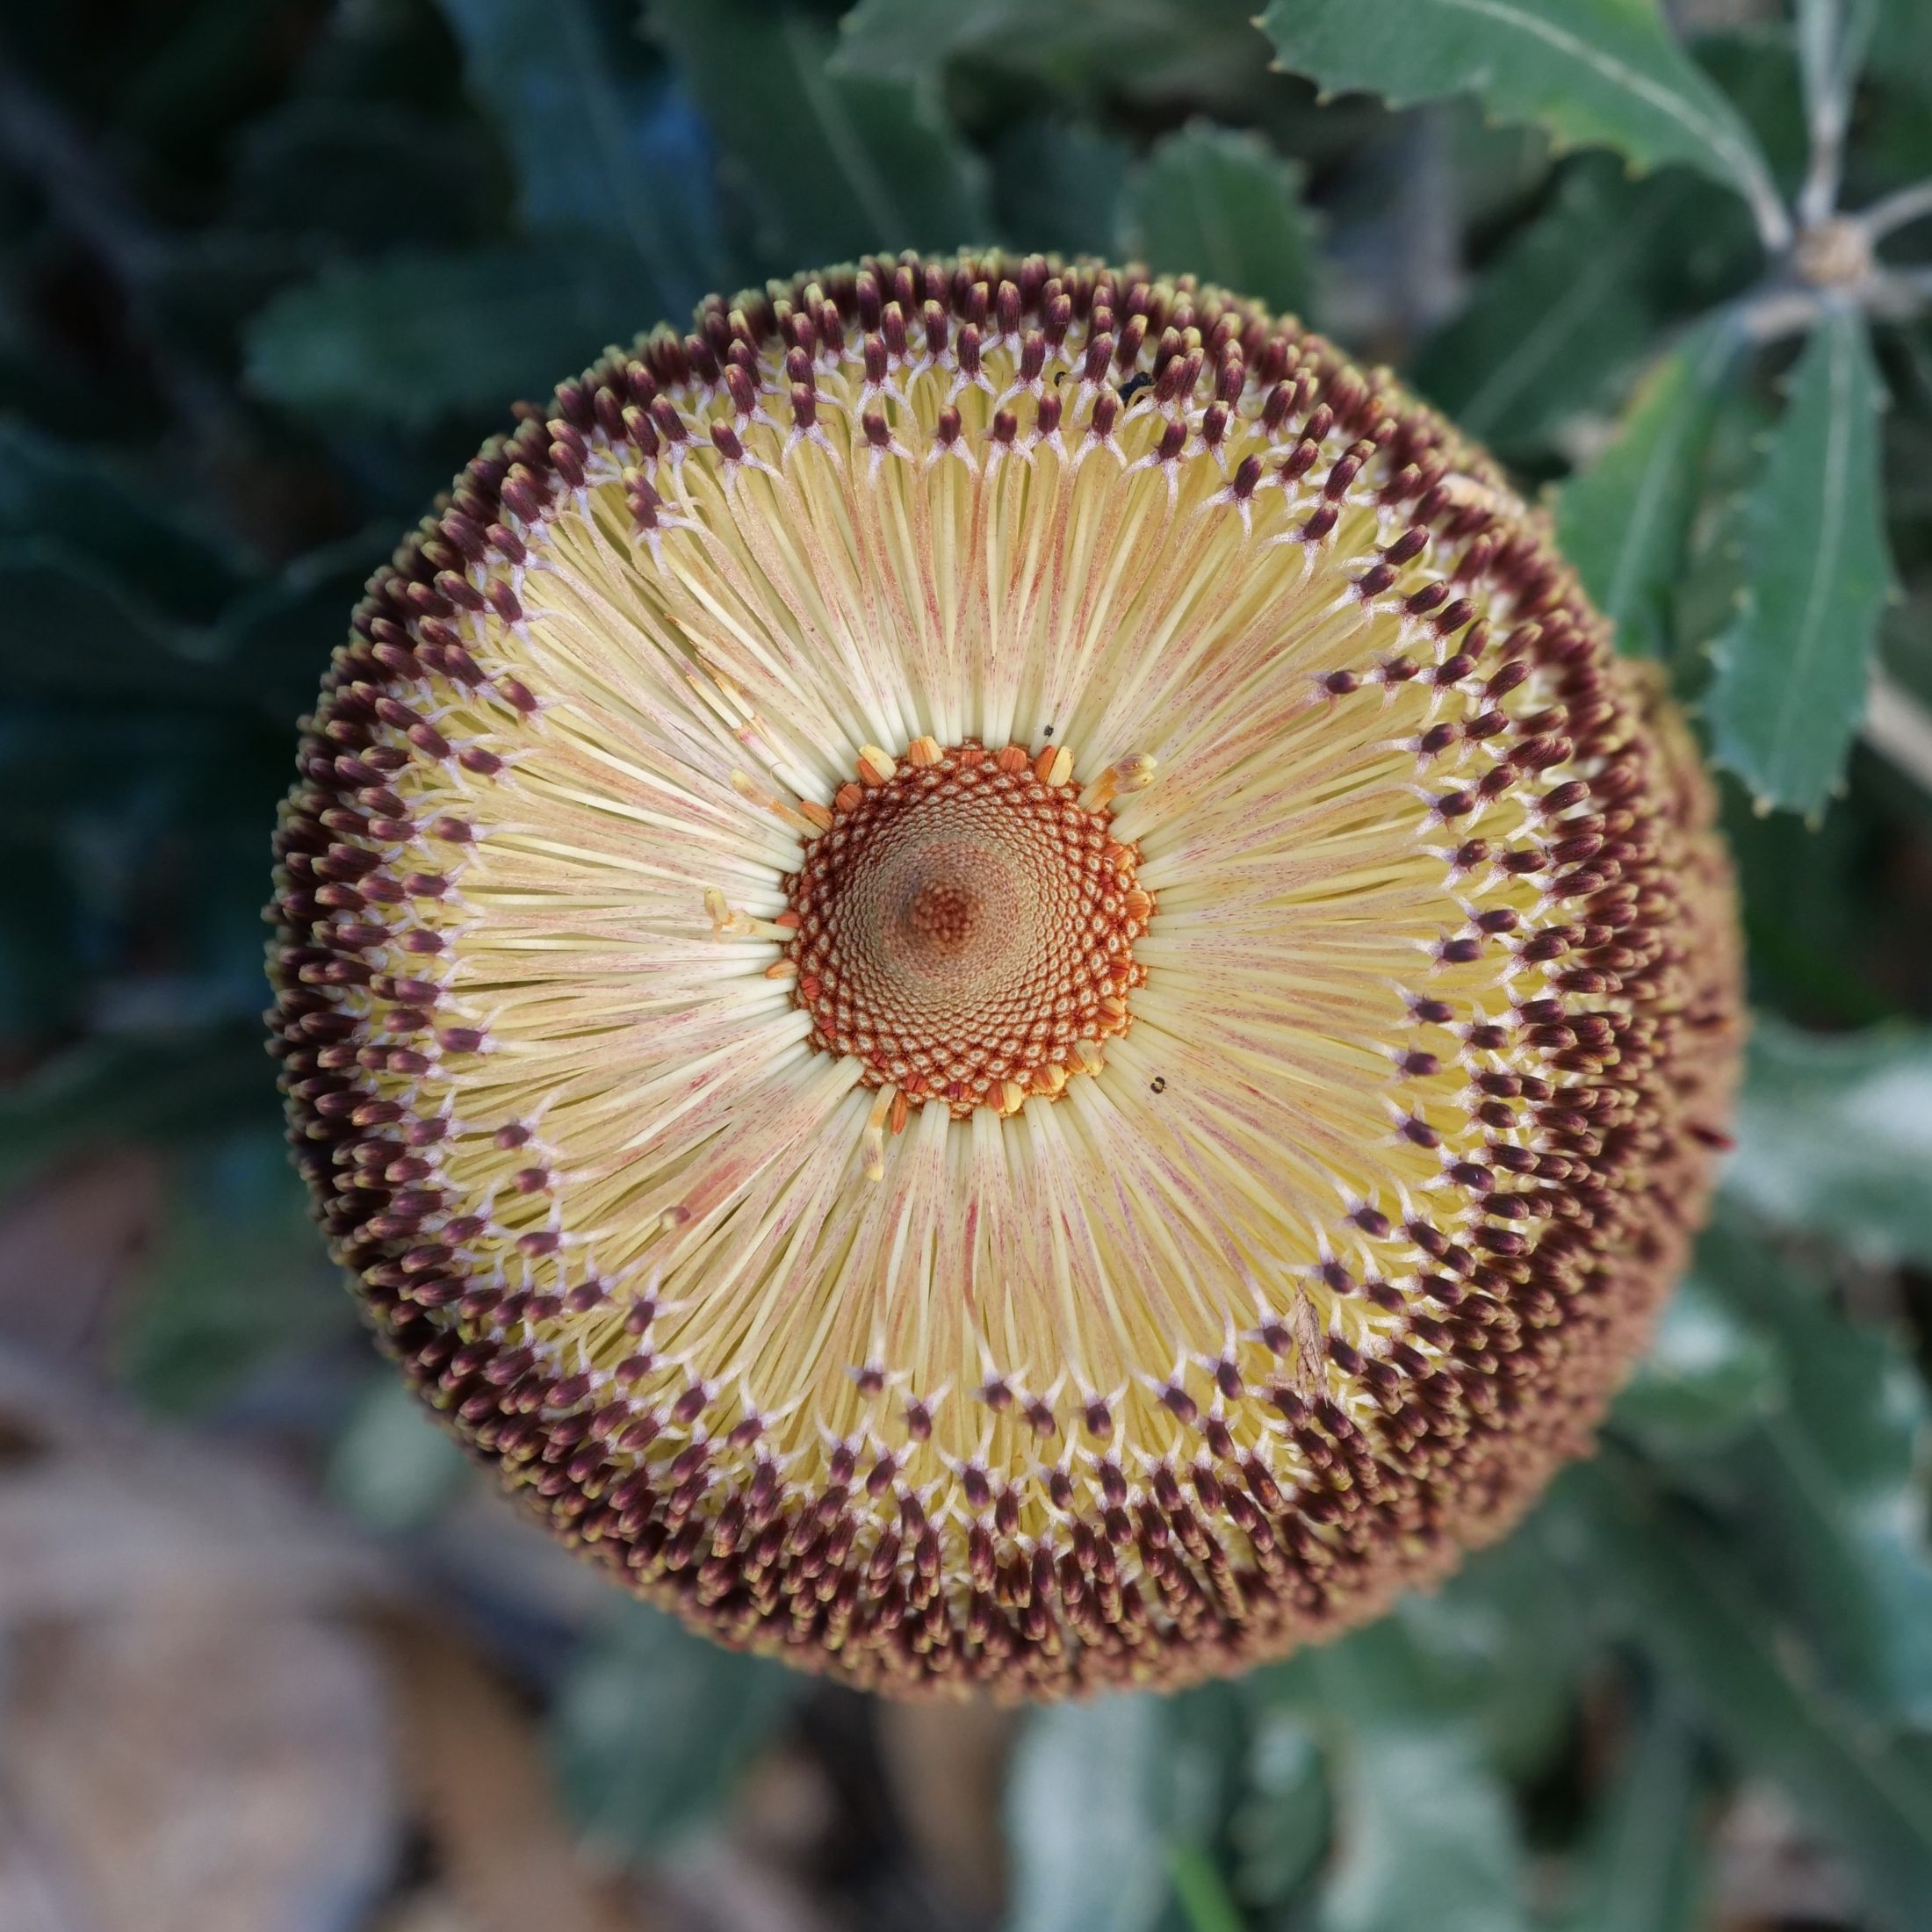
column 1792, row 671
column 1593, row 73
column 1643, row 1868
column 68, row 497
column 1087, row 1817
column 597, row 149
column 831, row 164
column 1705, row 1618
column 239, row 1278
column 78, row 634
column 1280, row 1825
column 1625, row 522
column 1200, row 51
column 42, row 975
column 412, row 341
column 360, row 175
column 1835, row 1135
column 1224, row 207
column 1201, row 1893
column 653, row 1725
column 1832, row 1475
column 1057, row 188
column 1754, row 69
column 103, row 582
column 1902, row 39
column 274, row 640
column 1423, row 1832
column 1815, row 929
column 908, row 39
column 1707, row 1377
column 1557, row 317
column 130, row 1087
column 1494, row 1649
column 392, row 1468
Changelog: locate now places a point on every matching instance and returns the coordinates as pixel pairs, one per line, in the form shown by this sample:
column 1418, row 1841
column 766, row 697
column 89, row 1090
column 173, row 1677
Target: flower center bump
column 965, row 926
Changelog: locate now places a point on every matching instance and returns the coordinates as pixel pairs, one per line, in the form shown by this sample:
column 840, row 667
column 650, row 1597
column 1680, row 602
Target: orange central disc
column 965, row 929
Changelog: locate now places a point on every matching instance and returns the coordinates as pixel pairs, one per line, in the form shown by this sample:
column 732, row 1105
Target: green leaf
column 392, row 1468
column 1592, row 73
column 654, row 1725
column 831, row 165
column 358, row 176
column 411, row 341
column 1087, row 1823
column 1495, row 1648
column 1425, row 1834
column 273, row 642
column 238, row 1279
column 104, row 582
column 1057, row 188
column 1644, row 1867
column 1902, row 47
column 75, row 501
column 1831, row 1475
column 909, row 40
column 1835, row 1135
column 134, row 1087
column 1201, row 1892
column 76, row 633
column 1558, row 316
column 1702, row 1616
column 1224, row 207
column 1625, row 522
column 1197, row 51
column 1280, row 1824
column 1707, row 1378
column 596, row 149
column 1791, row 672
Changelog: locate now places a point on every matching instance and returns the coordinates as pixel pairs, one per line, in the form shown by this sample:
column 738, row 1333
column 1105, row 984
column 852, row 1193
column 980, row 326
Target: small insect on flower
column 987, row 969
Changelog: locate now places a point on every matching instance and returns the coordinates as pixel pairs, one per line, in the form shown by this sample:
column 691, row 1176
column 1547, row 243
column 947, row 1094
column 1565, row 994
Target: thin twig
column 1899, row 728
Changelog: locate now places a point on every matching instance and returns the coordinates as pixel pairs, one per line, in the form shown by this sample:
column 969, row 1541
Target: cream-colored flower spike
column 987, row 968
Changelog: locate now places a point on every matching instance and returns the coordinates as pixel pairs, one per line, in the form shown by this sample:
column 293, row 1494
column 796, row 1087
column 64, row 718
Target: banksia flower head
column 988, row 970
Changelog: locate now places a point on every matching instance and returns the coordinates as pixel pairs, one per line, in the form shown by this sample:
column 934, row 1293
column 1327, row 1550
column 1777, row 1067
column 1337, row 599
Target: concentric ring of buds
column 987, row 967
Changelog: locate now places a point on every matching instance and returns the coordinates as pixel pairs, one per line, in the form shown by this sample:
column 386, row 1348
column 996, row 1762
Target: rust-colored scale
column 1508, row 1303
column 964, row 925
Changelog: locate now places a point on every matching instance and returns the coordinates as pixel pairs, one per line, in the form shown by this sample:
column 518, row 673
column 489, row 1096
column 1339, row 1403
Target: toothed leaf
column 1625, row 522
column 1591, row 73
column 1557, row 318
column 1792, row 670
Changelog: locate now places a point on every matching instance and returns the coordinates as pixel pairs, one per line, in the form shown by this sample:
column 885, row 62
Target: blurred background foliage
column 267, row 273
